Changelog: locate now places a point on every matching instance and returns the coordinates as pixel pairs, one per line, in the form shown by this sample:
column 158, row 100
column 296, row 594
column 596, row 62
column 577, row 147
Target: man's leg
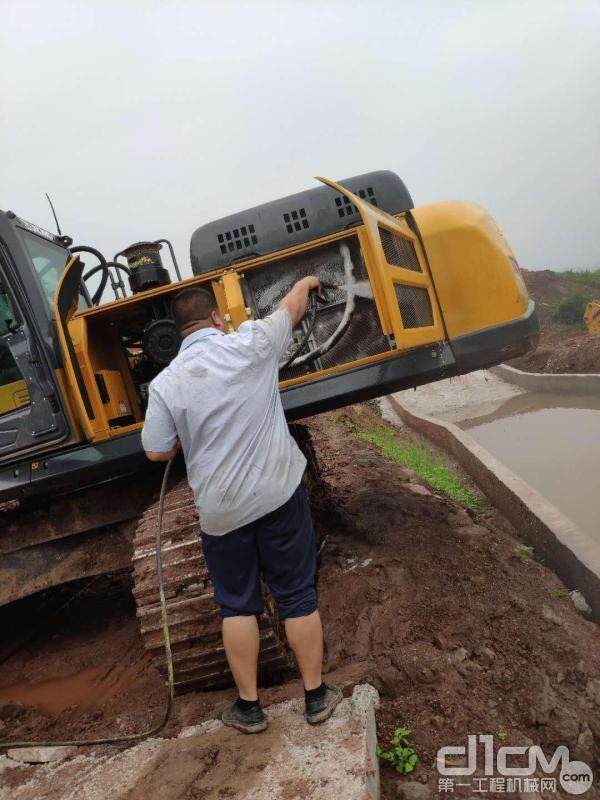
column 305, row 636
column 286, row 546
column 240, row 638
column 233, row 563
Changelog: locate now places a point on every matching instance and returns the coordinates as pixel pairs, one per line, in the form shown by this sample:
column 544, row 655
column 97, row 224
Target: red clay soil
column 460, row 632
column 562, row 348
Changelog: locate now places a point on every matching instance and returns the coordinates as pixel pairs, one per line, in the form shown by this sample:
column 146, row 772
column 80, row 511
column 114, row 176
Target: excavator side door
column 30, row 414
column 402, row 286
column 65, row 306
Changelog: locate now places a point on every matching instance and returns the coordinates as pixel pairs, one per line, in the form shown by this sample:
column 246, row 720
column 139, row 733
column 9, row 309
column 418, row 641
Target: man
column 219, row 398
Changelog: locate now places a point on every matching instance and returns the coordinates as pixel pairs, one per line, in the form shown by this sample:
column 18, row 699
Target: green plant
column 401, row 755
column 570, row 309
column 502, row 735
column 557, row 593
column 523, row 552
column 433, row 470
column 587, row 277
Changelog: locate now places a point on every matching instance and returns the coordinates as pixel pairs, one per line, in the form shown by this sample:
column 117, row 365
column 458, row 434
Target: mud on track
column 429, row 603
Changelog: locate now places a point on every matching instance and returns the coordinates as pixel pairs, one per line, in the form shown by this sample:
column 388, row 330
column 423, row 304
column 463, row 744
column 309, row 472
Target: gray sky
column 145, row 120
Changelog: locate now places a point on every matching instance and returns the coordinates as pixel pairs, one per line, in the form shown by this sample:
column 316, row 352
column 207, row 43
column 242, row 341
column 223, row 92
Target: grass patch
column 587, row 277
column 430, row 468
column 570, row 309
column 523, row 552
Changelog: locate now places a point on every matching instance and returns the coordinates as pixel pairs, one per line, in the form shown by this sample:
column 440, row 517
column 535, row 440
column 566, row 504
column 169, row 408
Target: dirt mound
column 562, row 348
column 461, row 631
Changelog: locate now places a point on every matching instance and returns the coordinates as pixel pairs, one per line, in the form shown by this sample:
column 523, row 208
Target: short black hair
column 191, row 305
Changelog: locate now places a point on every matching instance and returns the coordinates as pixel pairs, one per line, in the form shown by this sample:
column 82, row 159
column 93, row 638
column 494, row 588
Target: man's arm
column 296, row 299
column 159, row 435
column 155, row 455
column 276, row 329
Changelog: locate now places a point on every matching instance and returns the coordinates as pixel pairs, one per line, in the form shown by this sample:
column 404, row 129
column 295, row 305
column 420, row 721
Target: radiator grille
column 265, row 286
column 363, row 338
column 415, row 306
column 399, row 251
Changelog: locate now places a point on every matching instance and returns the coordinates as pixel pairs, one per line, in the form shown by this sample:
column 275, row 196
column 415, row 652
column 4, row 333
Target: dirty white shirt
column 220, row 397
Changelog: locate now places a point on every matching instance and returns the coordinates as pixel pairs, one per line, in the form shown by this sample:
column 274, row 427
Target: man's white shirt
column 220, row 397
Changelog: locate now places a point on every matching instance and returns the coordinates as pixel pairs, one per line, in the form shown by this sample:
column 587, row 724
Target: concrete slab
column 457, row 399
column 290, row 760
column 40, row 755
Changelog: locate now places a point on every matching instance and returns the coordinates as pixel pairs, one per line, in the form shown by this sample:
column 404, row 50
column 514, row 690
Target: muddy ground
column 461, row 631
column 562, row 348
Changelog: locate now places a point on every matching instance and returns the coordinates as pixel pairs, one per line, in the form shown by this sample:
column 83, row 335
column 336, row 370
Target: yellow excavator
column 591, row 317
column 413, row 295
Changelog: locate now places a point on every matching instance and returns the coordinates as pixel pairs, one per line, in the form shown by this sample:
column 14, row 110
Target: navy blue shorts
column 279, row 546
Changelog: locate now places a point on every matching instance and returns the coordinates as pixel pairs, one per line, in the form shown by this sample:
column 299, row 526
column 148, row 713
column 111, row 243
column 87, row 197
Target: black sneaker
column 251, row 721
column 320, row 710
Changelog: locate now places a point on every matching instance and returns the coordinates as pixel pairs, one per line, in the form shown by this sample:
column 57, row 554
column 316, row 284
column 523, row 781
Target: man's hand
column 296, row 299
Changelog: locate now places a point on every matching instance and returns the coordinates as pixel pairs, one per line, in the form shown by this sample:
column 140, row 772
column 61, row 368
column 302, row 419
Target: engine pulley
column 160, row 341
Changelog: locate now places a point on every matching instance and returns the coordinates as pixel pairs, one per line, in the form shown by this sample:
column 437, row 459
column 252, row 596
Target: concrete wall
column 542, row 382
column 556, row 540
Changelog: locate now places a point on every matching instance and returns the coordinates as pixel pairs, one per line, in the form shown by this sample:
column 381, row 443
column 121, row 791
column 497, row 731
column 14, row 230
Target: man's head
column 195, row 308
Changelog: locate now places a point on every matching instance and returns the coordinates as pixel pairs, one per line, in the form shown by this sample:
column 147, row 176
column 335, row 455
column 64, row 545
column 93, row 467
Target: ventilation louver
column 399, row 251
column 346, row 208
column 237, row 239
column 295, row 220
column 415, row 306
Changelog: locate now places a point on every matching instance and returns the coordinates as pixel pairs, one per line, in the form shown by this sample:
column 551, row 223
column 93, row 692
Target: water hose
column 312, row 315
column 131, row 737
column 297, row 359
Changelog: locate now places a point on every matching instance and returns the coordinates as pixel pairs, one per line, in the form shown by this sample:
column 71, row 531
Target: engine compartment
column 341, row 328
column 345, row 327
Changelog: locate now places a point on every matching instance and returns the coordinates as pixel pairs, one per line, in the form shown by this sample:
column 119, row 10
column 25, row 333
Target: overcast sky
column 145, row 120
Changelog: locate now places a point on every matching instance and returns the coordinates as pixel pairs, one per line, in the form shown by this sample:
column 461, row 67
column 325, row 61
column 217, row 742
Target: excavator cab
column 32, row 410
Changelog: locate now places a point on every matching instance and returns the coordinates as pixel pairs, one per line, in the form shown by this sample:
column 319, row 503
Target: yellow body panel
column 384, row 277
column 476, row 276
column 75, row 399
column 461, row 264
column 591, row 316
column 234, row 299
column 13, row 396
column 99, row 353
column 98, row 426
column 68, row 399
column 116, row 406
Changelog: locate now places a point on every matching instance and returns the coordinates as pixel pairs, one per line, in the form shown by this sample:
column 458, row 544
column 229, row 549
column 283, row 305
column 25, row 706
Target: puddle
column 57, row 694
column 553, row 443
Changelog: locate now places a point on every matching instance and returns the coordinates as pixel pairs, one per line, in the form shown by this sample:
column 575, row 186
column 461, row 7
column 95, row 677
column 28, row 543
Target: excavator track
column 199, row 660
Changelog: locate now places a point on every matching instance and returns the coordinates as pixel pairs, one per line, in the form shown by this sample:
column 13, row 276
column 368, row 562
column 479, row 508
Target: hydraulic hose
column 169, row 657
column 102, row 266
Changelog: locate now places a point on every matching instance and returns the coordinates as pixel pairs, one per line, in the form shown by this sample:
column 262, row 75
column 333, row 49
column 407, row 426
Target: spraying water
column 360, row 289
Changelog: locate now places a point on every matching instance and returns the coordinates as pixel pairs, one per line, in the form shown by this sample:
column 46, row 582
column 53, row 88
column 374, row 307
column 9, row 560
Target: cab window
column 13, row 389
column 49, row 261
